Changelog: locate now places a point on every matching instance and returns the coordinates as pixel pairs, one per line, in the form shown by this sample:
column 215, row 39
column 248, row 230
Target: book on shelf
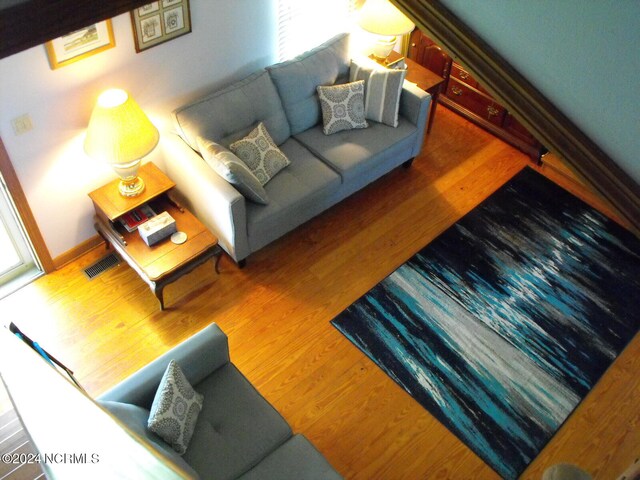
column 136, row 217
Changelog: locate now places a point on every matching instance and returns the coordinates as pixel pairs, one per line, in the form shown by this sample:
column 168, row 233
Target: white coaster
column 179, row 238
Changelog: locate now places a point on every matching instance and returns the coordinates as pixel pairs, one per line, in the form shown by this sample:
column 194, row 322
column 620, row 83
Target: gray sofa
column 238, row 433
column 324, row 169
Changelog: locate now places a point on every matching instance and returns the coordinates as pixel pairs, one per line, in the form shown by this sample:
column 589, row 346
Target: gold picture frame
column 160, row 21
column 80, row 44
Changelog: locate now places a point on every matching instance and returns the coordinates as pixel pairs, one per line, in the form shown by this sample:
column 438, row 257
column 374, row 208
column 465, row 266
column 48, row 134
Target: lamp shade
column 383, row 18
column 119, row 132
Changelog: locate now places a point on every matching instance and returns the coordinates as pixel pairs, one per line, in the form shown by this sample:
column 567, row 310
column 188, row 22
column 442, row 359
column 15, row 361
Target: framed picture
column 158, row 22
column 80, row 44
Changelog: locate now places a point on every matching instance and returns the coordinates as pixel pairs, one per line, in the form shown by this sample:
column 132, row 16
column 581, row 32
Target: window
column 304, row 24
column 17, row 260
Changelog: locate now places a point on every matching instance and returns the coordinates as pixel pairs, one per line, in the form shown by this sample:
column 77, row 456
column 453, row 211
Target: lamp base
column 131, row 187
column 383, row 46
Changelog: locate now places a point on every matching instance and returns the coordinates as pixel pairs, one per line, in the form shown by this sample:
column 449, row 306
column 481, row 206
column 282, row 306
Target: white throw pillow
column 175, row 409
column 342, row 107
column 259, row 152
column 233, row 170
column 383, row 87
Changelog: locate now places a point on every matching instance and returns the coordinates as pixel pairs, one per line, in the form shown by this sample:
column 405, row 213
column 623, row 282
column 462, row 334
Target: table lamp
column 385, row 20
column 120, row 134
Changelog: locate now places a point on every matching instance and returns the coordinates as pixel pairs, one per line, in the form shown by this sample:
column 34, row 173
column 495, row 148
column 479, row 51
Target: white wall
column 229, row 40
column 582, row 55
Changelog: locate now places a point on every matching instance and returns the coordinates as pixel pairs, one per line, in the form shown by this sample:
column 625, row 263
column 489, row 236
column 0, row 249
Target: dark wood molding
column 29, row 23
column 20, row 201
column 541, row 117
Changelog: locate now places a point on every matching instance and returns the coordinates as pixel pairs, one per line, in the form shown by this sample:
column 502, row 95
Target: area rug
column 503, row 324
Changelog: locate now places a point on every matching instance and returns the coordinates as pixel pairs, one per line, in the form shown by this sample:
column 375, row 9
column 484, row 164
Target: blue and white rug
column 503, row 324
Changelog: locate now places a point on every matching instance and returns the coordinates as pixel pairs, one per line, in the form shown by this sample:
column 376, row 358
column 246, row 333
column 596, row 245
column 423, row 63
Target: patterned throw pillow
column 175, row 409
column 258, row 151
column 383, row 87
column 342, row 107
column 233, row 170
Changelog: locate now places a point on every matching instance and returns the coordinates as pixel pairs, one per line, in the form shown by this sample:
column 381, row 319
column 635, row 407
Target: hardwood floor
column 276, row 313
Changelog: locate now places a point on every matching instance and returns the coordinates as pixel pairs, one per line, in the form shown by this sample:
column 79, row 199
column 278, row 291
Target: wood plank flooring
column 277, row 310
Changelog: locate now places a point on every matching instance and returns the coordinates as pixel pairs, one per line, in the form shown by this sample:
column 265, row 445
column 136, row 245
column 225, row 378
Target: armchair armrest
column 209, row 197
column 198, row 356
column 414, row 106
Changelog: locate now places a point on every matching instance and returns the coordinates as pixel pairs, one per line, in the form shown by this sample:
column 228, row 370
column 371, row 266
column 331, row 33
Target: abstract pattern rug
column 503, row 324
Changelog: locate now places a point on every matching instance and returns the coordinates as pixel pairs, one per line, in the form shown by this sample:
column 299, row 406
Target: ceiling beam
column 28, row 23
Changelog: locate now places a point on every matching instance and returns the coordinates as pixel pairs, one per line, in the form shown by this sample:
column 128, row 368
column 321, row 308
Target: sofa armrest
column 209, row 197
column 198, row 357
column 414, row 106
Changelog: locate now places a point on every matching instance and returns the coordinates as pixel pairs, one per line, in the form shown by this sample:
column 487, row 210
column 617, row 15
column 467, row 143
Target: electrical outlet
column 22, row 124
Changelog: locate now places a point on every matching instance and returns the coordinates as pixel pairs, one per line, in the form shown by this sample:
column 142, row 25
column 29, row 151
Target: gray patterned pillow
column 383, row 87
column 233, row 170
column 258, row 151
column 342, row 107
column 175, row 409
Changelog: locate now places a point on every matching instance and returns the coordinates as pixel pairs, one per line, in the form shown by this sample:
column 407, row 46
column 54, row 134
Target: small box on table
column 157, row 228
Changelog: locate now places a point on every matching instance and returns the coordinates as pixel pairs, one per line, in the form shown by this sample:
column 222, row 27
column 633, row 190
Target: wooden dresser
column 465, row 96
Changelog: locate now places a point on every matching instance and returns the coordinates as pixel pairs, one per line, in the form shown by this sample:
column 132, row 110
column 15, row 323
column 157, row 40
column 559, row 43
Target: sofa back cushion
column 297, row 80
column 231, row 113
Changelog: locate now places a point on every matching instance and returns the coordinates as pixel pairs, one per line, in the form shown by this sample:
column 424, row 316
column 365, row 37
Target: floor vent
column 102, row 265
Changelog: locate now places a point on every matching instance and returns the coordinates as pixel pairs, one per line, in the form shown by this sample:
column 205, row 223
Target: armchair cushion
column 236, row 428
column 285, row 463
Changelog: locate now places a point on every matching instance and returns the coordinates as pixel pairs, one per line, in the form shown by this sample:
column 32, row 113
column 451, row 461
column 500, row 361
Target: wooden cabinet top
column 108, row 199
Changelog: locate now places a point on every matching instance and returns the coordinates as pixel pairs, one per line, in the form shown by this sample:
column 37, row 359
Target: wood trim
column 30, row 23
column 78, row 251
column 26, row 215
column 543, row 119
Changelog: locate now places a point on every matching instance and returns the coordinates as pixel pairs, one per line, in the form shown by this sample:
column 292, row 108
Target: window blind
column 304, row 24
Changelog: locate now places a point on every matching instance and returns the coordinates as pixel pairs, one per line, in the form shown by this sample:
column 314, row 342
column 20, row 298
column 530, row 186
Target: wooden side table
column 428, row 81
column 164, row 262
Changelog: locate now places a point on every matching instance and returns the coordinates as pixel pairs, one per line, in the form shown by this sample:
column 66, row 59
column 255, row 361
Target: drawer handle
column 456, row 90
column 463, row 75
column 492, row 111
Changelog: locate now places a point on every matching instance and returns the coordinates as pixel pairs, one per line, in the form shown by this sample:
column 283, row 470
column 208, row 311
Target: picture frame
column 80, row 44
column 160, row 21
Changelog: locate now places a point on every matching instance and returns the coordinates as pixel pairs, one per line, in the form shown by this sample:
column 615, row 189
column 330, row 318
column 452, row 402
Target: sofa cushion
column 236, row 428
column 298, row 193
column 352, row 153
column 342, row 107
column 383, row 87
column 136, row 418
column 260, row 154
column 175, row 409
column 233, row 170
column 229, row 114
column 296, row 459
column 298, row 78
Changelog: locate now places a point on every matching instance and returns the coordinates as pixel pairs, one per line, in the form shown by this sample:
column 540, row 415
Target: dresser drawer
column 475, row 101
column 462, row 75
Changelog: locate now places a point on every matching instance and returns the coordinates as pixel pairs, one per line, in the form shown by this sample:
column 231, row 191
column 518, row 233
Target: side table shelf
column 164, row 262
